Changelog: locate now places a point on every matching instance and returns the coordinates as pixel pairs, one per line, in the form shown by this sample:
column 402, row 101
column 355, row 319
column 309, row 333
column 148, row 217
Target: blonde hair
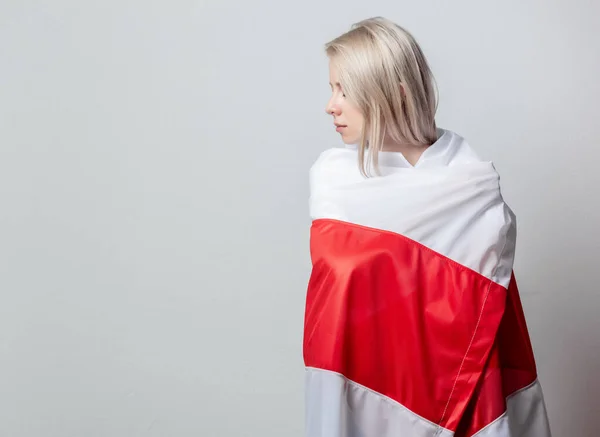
column 384, row 72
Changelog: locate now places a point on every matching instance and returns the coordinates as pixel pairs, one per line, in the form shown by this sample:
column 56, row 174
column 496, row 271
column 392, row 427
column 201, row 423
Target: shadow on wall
column 570, row 342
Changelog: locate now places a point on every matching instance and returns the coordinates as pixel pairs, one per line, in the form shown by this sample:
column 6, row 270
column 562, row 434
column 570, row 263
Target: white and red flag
column 413, row 325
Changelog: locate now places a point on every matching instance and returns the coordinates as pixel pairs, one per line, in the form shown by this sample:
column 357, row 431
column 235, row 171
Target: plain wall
column 153, row 191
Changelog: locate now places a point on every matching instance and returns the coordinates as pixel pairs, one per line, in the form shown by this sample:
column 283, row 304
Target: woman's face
column 347, row 118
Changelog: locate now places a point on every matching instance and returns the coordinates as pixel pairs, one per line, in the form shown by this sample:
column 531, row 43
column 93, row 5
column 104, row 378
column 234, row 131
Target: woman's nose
column 332, row 109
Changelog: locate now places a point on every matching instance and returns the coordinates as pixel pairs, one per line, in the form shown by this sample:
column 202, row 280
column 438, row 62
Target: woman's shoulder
column 335, row 155
column 335, row 163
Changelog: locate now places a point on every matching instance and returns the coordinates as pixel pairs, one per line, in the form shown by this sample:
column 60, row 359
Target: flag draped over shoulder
column 413, row 322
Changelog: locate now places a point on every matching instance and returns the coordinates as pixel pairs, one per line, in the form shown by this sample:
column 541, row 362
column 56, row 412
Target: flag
column 413, row 323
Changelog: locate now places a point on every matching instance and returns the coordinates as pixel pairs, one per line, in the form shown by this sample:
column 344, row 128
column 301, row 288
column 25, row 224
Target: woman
column 413, row 321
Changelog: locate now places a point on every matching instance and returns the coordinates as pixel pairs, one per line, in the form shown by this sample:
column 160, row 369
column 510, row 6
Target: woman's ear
column 402, row 90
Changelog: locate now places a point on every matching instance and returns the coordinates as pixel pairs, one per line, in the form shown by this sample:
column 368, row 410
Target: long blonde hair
column 384, row 72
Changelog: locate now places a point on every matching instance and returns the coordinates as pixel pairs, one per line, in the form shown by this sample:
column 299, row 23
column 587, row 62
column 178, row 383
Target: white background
column 153, row 195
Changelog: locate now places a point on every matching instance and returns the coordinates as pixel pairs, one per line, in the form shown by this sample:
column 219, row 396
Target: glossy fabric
column 398, row 318
column 413, row 323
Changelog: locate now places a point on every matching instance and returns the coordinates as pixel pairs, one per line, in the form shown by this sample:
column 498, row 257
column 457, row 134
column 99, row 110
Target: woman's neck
column 411, row 152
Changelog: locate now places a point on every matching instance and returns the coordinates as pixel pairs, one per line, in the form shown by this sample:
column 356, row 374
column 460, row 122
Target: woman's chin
column 350, row 141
